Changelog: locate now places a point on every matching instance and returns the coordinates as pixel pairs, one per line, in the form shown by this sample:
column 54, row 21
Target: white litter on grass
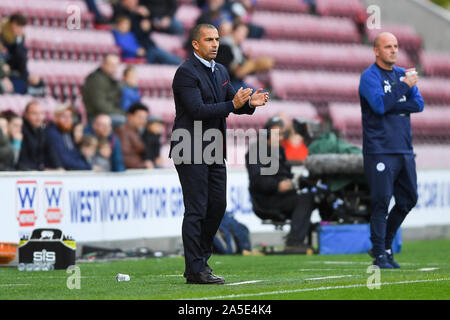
column 330, row 277
column 232, row 296
column 427, row 269
column 243, row 282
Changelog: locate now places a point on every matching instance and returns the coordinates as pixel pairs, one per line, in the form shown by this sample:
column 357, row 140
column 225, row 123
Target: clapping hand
column 259, row 98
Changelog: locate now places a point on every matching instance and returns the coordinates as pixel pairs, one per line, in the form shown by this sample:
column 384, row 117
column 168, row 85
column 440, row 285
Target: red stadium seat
column 406, row 35
column 307, row 27
column 349, row 8
column 435, row 64
column 60, row 43
column 53, row 13
column 316, row 56
column 293, row 6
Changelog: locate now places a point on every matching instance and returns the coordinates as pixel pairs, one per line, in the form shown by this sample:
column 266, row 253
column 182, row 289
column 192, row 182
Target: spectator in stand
column 88, row 149
column 102, row 159
column 133, row 147
column 242, row 10
column 102, row 93
column 162, row 14
column 294, row 147
column 130, row 91
column 62, row 146
column 15, row 135
column 141, row 25
column 237, row 63
column 36, row 86
column 132, row 49
column 6, row 86
column 77, row 133
column 99, row 18
column 12, row 37
column 102, row 128
column 217, row 11
column 35, row 150
column 152, row 139
column 6, row 150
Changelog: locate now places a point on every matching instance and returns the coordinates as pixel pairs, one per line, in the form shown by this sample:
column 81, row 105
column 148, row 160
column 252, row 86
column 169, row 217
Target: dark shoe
column 382, row 262
column 299, row 248
column 389, row 256
column 390, row 259
column 207, row 269
column 204, row 277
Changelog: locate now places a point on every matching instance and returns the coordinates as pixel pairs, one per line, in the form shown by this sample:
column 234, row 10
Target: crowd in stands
column 109, row 112
column 118, row 132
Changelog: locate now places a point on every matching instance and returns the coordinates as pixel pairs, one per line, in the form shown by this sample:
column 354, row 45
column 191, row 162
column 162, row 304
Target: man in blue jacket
column 62, row 147
column 204, row 98
column 388, row 96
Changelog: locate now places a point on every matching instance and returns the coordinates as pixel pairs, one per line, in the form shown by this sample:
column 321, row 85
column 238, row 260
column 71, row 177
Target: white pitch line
column 330, row 277
column 14, row 284
column 243, row 282
column 232, row 296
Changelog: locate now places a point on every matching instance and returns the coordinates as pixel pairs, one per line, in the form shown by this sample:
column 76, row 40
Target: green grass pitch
column 425, row 274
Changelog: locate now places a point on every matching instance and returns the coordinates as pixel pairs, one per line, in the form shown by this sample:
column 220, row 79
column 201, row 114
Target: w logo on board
column 26, row 203
column 53, row 201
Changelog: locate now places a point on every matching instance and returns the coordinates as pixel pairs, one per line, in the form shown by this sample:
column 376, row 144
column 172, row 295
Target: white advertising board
column 149, row 204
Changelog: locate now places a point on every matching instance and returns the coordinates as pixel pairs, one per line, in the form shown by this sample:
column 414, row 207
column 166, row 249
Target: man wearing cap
column 62, row 147
column 388, row 96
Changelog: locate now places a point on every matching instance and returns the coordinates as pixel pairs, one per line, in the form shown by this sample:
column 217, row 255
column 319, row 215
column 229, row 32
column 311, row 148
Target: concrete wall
column 431, row 22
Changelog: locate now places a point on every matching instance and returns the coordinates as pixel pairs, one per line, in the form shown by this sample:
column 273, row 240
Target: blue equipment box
column 349, row 239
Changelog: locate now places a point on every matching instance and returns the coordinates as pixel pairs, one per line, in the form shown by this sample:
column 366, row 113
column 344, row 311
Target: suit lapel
column 204, row 76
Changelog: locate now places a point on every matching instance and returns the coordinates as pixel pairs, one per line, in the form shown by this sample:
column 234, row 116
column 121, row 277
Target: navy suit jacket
column 196, row 100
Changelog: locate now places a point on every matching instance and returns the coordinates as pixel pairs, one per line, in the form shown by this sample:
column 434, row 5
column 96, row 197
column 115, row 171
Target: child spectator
column 88, row 149
column 131, row 48
column 102, row 159
column 126, row 40
column 130, row 92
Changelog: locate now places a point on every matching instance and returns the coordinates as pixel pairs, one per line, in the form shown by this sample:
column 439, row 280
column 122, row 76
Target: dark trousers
column 299, row 208
column 389, row 175
column 204, row 195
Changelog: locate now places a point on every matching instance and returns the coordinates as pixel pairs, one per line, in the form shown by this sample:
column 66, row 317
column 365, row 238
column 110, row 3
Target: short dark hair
column 136, row 107
column 196, row 31
column 121, row 18
column 128, row 69
column 18, row 18
column 238, row 24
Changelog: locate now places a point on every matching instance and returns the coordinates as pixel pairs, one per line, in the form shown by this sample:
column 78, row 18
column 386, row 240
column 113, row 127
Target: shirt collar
column 208, row 64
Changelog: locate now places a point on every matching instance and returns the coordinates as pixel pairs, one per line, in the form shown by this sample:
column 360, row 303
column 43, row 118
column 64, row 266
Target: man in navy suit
column 204, row 97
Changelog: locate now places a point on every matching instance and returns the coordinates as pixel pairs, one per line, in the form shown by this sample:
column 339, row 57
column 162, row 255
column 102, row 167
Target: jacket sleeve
column 371, row 89
column 186, row 90
column 414, row 103
column 117, row 164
